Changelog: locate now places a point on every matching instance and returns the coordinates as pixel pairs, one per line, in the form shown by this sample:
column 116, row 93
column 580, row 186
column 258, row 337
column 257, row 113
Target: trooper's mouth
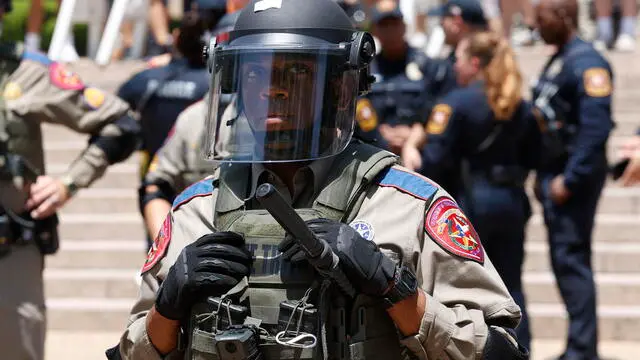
column 278, row 122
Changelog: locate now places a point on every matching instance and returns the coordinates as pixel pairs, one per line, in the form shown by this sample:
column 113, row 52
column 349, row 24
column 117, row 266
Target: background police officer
column 217, row 234
column 573, row 104
column 492, row 142
column 37, row 90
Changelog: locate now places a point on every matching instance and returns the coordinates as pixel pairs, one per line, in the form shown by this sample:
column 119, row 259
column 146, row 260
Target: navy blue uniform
column 494, row 158
column 574, row 96
column 169, row 89
column 406, row 89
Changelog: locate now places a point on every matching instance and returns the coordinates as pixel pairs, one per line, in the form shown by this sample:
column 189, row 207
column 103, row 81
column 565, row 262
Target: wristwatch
column 405, row 285
column 72, row 188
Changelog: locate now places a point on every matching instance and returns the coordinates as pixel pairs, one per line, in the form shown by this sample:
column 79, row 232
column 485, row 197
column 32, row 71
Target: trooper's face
column 278, row 92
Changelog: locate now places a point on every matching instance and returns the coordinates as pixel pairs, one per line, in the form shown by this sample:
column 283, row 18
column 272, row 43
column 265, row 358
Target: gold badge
column 12, row 91
column 366, row 115
column 93, row 97
column 597, row 82
column 439, row 119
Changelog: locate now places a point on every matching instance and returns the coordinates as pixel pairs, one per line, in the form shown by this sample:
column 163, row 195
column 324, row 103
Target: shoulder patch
column 597, row 82
column 366, row 115
column 37, row 57
column 199, row 189
column 64, row 78
column 159, row 246
column 12, row 91
column 439, row 119
column 449, row 227
column 93, row 98
column 409, row 183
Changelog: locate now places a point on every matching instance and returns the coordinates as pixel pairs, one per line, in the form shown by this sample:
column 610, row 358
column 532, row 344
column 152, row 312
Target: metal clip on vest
column 319, row 253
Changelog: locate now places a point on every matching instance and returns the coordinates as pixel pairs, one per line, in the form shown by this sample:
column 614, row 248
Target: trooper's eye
column 299, row 69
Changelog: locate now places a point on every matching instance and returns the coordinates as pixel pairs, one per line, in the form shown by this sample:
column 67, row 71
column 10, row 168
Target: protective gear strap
column 118, row 148
column 499, row 347
column 164, row 191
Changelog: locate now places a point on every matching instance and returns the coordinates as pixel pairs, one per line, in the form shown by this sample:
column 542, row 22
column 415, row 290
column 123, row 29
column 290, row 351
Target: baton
column 318, row 251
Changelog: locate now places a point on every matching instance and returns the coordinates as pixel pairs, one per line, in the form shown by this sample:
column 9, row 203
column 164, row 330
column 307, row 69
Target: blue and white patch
column 364, row 229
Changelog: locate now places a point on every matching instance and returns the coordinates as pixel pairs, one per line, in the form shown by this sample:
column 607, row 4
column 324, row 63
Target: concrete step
column 621, row 323
column 103, row 200
column 607, row 257
column 614, row 228
column 101, row 226
column 613, row 288
column 102, row 254
column 614, row 201
column 91, row 283
column 615, row 322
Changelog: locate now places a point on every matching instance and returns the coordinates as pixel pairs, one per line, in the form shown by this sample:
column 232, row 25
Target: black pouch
column 6, row 234
column 45, row 235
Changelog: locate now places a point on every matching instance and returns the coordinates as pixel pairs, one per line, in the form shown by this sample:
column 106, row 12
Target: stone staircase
column 91, row 282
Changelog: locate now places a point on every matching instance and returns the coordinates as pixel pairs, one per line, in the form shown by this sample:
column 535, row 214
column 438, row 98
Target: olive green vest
column 347, row 329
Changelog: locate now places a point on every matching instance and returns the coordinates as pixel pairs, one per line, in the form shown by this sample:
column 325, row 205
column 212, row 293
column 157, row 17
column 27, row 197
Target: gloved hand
column 370, row 271
column 211, row 266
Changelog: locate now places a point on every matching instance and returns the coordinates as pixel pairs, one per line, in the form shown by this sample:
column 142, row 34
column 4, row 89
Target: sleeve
column 181, row 227
column 465, row 294
column 129, row 93
column 54, row 94
column 367, row 124
column 595, row 89
column 169, row 163
column 440, row 154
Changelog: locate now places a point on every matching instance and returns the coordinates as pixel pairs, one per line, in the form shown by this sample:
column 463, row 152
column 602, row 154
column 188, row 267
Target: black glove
column 211, row 266
column 370, row 271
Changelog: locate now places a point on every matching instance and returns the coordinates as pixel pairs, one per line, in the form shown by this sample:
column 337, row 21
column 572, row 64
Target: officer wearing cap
column 459, row 18
column 179, row 162
column 296, row 77
column 403, row 93
column 573, row 103
column 36, row 90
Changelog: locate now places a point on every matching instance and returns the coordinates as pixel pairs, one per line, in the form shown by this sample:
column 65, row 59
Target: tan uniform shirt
column 405, row 213
column 179, row 162
column 43, row 91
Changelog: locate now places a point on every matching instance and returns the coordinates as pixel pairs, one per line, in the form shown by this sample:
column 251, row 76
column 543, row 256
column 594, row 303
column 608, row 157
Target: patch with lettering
column 366, row 115
column 597, row 82
column 64, row 78
column 447, row 225
column 439, row 119
column 159, row 246
column 364, row 229
column 94, row 98
column 12, row 91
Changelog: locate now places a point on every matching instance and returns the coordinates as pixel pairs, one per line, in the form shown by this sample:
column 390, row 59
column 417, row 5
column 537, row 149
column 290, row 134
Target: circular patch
column 94, row 98
column 413, row 73
column 447, row 225
column 12, row 91
column 366, row 115
column 64, row 78
column 439, row 119
column 364, row 229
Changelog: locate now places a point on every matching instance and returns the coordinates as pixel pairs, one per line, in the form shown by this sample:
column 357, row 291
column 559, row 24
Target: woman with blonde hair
column 481, row 142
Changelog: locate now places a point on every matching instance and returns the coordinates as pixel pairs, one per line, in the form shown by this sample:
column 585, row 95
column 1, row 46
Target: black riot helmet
column 295, row 69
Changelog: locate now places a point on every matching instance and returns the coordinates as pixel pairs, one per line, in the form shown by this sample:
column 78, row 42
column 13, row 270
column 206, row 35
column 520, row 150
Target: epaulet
column 408, row 182
column 37, row 57
column 199, row 189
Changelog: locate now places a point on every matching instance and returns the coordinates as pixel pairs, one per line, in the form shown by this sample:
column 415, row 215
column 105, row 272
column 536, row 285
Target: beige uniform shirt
column 179, row 162
column 44, row 91
column 409, row 217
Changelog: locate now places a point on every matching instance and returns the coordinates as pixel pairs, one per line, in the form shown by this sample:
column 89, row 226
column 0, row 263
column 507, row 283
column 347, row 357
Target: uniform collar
column 241, row 181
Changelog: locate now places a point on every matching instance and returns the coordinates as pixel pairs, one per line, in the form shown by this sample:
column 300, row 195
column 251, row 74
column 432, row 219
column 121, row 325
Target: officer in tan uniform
column 36, row 90
column 423, row 286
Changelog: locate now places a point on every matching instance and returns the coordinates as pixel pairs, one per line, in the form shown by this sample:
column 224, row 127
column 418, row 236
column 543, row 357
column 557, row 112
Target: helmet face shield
column 287, row 104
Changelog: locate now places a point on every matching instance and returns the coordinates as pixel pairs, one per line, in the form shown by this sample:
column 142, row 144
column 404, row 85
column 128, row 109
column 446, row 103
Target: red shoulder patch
column 449, row 227
column 160, row 245
column 64, row 78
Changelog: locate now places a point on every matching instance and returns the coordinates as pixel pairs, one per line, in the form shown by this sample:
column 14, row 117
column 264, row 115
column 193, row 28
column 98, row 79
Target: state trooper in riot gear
column 296, row 68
